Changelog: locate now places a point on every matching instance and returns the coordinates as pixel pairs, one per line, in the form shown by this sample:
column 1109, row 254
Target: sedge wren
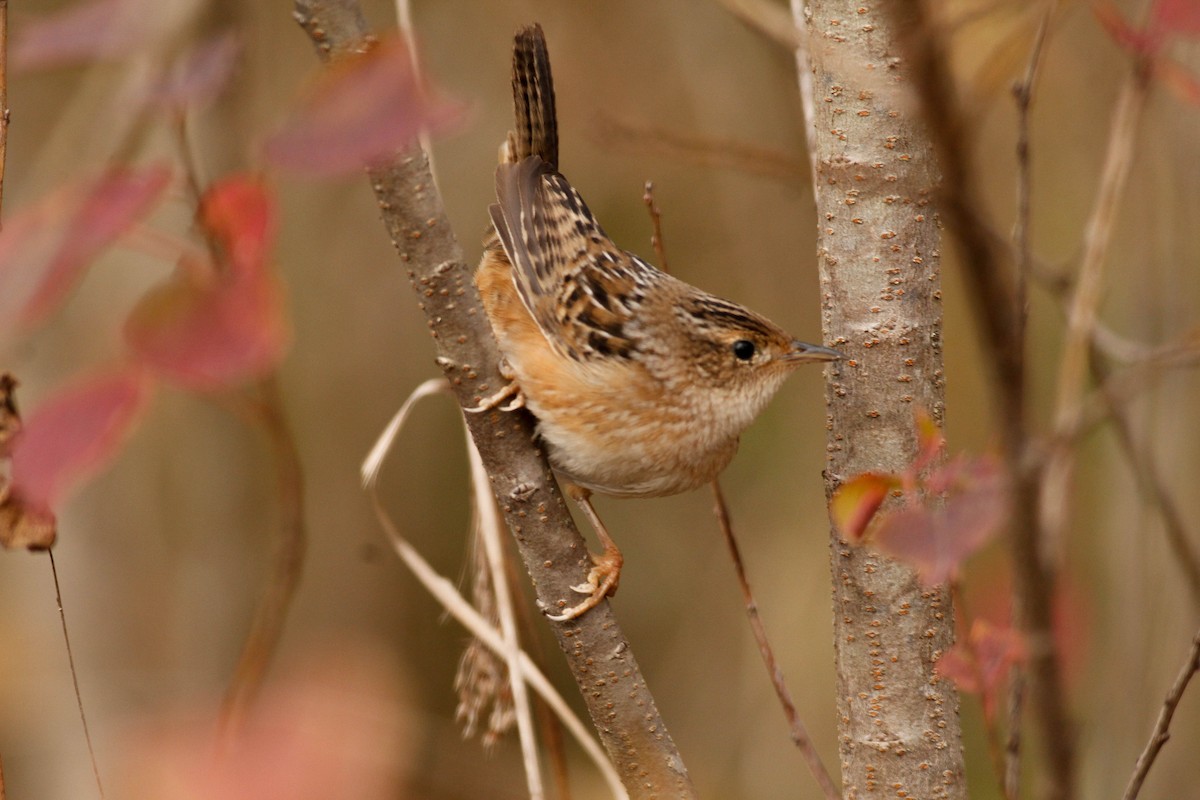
column 641, row 384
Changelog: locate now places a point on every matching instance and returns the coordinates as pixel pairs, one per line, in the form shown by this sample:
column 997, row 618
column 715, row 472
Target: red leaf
column 981, row 664
column 362, row 109
column 44, row 249
column 96, row 30
column 1142, row 42
column 1179, row 17
column 199, row 77
column 240, row 213
column 938, row 540
column 205, row 327
column 74, row 433
column 856, row 501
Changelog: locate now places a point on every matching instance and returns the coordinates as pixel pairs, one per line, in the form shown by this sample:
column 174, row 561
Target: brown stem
column 656, row 237
column 795, row 724
column 3, row 94
column 1022, row 236
column 555, row 555
column 989, row 284
column 1162, row 727
column 287, row 562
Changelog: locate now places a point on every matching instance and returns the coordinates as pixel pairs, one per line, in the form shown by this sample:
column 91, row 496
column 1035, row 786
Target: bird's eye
column 744, row 349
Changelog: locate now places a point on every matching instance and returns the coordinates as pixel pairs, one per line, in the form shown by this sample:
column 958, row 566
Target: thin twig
column 1085, row 301
column 456, row 605
column 804, row 75
column 62, row 618
column 656, row 237
column 989, row 281
column 1012, row 747
column 1151, row 483
column 1022, row 235
column 1010, row 777
column 798, row 731
column 3, row 98
column 703, row 150
column 287, row 562
column 1162, row 727
column 490, row 527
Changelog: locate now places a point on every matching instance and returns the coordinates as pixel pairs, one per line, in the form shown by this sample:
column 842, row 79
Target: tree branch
column 993, row 298
column 554, row 553
column 878, row 254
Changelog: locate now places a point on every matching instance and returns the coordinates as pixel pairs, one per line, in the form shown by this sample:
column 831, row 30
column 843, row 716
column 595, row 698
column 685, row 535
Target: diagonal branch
column 555, row 555
column 1162, row 727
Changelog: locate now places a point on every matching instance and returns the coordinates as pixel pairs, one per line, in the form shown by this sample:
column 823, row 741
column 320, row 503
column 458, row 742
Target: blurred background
column 162, row 557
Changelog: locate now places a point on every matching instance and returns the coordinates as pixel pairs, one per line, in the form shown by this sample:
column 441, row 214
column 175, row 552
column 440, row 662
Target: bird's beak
column 802, row 352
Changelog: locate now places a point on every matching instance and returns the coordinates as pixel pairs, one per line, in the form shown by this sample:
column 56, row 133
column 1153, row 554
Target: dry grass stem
column 490, row 531
column 87, row 734
column 458, row 607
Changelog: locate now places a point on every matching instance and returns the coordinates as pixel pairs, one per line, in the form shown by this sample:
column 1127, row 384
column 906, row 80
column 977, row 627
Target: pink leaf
column 362, row 109
column 937, row 540
column 45, row 249
column 981, row 664
column 198, row 78
column 856, row 501
column 1178, row 17
column 74, row 433
column 1137, row 41
column 208, row 327
column 1180, row 80
column 86, row 31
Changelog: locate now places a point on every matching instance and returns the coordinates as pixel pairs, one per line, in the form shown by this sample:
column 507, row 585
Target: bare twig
column 1152, row 484
column 1010, row 779
column 1085, row 301
column 554, row 554
column 1162, row 727
column 3, row 94
column 1012, row 747
column 287, row 562
column 702, row 150
column 62, row 618
column 989, row 282
column 799, row 732
column 1023, row 95
column 656, row 237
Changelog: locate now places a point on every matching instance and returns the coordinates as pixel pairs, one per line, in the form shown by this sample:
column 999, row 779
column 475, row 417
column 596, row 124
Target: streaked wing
column 580, row 288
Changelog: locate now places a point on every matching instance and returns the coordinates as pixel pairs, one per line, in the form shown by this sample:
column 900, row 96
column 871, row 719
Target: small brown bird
column 641, row 384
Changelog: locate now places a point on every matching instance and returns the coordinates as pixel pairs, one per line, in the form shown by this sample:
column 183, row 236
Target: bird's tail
column 536, row 131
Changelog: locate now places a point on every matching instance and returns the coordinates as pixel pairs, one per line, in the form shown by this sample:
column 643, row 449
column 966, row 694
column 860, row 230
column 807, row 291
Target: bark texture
column 556, row 556
column 879, row 259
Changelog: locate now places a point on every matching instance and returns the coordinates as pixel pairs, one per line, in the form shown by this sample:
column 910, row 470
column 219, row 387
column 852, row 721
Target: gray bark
column 879, row 258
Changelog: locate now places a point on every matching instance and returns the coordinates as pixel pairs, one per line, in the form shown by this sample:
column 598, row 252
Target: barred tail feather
column 533, row 99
